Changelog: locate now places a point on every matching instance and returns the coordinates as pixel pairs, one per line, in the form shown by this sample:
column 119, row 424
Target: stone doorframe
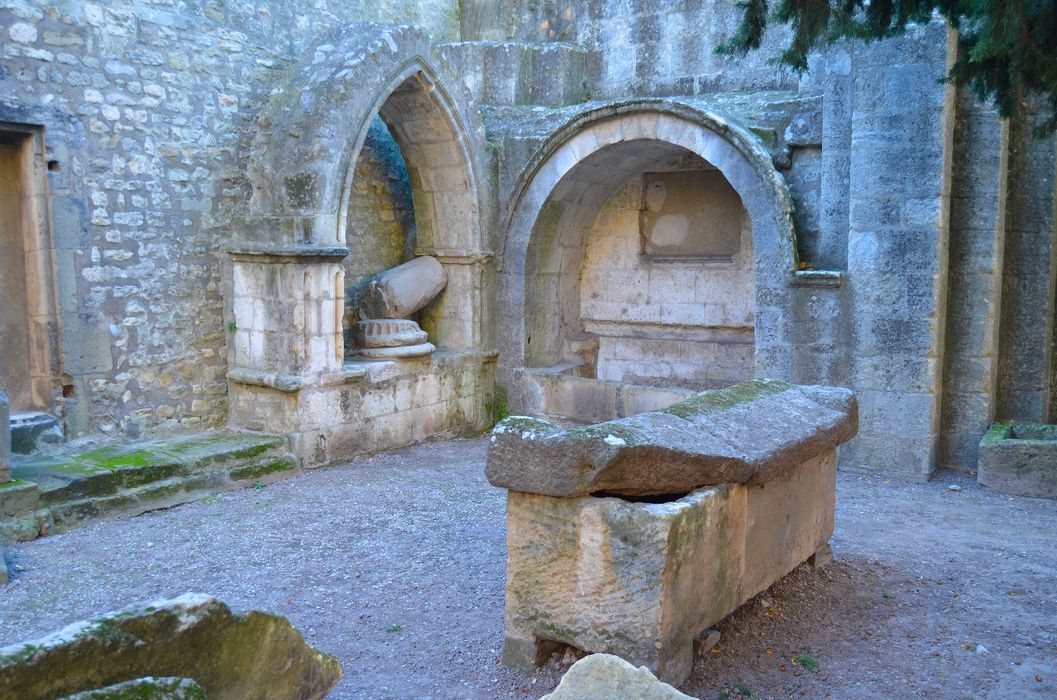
column 286, row 282
column 742, row 159
column 43, row 385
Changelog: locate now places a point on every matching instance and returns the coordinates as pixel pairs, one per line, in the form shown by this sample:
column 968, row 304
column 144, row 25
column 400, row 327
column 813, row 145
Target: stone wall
column 375, row 406
column 670, row 323
column 648, row 47
column 147, row 110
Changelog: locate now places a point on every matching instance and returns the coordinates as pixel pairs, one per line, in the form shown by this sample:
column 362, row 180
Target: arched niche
column 288, row 367
column 302, row 170
column 556, row 205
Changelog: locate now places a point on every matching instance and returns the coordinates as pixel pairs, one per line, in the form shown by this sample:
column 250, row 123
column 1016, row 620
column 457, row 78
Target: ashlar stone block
column 1020, row 458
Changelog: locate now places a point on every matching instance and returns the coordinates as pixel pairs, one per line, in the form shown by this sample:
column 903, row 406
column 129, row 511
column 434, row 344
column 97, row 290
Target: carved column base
column 391, row 339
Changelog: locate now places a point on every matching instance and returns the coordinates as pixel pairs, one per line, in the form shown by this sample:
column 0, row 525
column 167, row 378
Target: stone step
column 54, row 493
column 520, row 73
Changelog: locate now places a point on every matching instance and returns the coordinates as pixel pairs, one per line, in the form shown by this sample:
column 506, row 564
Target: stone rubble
column 232, row 656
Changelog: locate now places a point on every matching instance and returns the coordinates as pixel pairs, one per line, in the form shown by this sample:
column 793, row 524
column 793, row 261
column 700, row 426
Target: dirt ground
column 395, row 564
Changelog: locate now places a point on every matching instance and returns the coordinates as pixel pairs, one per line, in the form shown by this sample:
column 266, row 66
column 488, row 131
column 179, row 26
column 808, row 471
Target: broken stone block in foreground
column 739, row 490
column 606, row 676
column 230, row 655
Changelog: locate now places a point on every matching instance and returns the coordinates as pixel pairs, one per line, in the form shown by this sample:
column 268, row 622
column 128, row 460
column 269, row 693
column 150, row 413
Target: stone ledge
column 291, row 383
column 817, row 278
column 269, row 253
column 54, row 493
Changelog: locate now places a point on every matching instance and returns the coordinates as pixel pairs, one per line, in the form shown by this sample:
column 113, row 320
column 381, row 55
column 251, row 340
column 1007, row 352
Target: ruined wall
column 649, row 47
column 147, row 110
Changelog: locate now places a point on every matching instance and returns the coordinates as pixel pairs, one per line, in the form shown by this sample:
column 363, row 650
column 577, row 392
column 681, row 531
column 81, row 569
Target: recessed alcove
column 379, row 217
column 385, row 169
column 641, row 271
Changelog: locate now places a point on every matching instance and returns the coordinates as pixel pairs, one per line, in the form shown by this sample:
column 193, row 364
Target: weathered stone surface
column 748, row 433
column 387, row 333
column 5, row 439
column 401, row 291
column 1020, row 458
column 31, row 432
column 642, row 580
column 230, row 655
column 391, row 339
column 54, row 493
column 146, row 689
column 399, row 352
column 607, row 676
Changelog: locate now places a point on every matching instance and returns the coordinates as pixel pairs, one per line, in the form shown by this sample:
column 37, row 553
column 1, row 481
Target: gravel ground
column 395, row 564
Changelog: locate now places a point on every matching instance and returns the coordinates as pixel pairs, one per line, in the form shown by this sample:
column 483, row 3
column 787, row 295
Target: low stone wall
column 372, row 406
column 595, row 400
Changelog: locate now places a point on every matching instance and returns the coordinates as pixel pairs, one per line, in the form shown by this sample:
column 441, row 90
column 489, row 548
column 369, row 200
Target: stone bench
column 633, row 536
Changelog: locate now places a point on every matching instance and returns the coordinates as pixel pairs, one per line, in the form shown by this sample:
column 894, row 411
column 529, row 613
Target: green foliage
column 393, row 628
column 806, row 661
column 739, row 691
column 1006, row 48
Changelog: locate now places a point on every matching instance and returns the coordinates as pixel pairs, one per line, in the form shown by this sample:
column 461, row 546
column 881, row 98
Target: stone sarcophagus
column 632, row 537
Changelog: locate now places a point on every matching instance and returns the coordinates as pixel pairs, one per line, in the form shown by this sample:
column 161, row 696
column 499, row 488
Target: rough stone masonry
column 208, row 186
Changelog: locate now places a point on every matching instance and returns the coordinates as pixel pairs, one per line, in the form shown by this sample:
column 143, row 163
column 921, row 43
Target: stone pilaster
column 287, row 309
column 902, row 128
column 974, row 281
column 1025, row 379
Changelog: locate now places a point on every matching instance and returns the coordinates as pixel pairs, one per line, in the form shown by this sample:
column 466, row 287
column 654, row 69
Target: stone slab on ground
column 1019, row 458
column 231, row 655
column 53, row 493
column 748, row 433
column 606, row 676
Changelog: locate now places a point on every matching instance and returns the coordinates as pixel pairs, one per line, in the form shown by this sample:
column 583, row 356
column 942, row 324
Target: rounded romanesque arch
column 555, row 204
